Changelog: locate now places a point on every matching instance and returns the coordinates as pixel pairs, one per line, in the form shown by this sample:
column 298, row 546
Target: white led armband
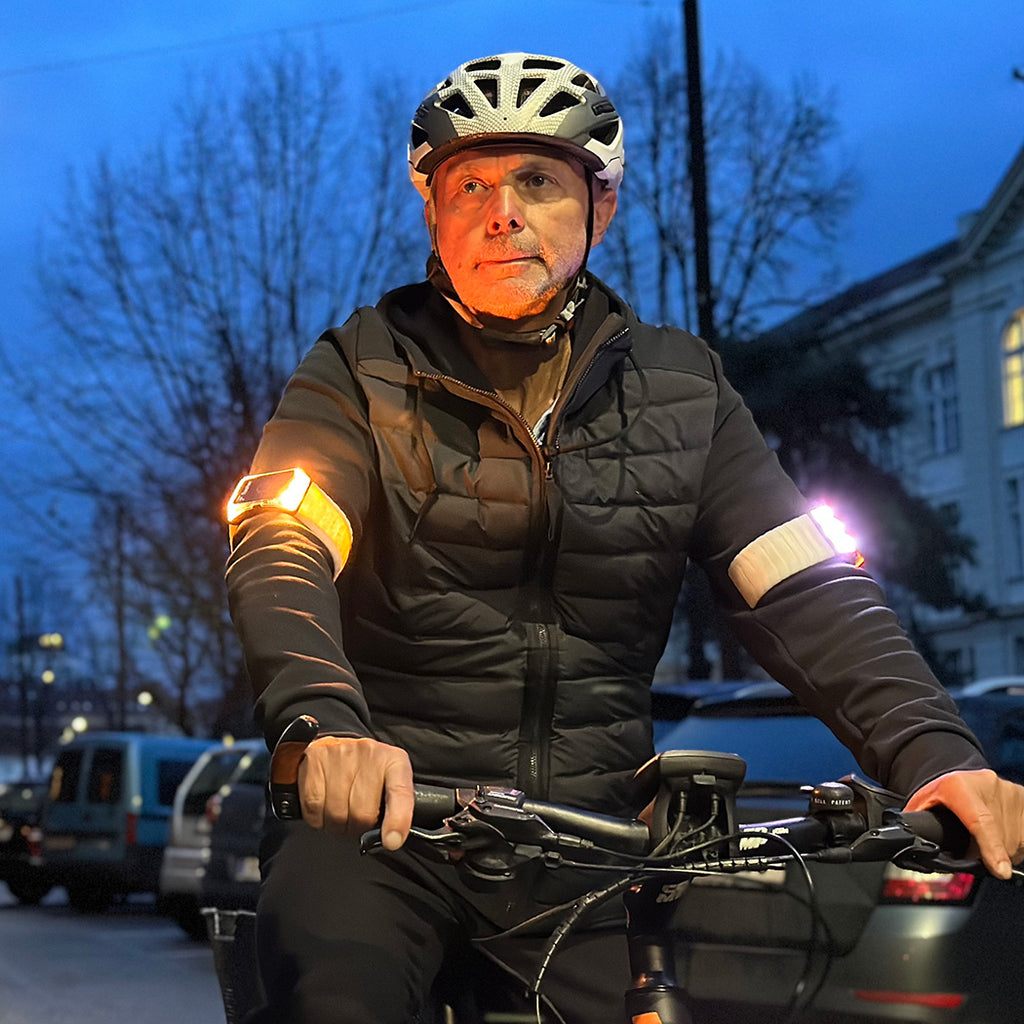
column 778, row 554
column 292, row 491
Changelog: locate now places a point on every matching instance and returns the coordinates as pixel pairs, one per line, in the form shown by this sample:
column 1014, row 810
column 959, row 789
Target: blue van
column 106, row 817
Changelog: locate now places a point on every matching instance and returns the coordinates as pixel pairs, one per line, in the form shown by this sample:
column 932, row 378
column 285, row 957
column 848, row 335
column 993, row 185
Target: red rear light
column 213, row 808
column 938, row 1000
column 33, row 840
column 902, row 886
column 131, row 829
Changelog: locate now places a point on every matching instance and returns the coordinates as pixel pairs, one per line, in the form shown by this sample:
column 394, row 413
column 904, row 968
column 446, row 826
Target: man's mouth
column 509, row 258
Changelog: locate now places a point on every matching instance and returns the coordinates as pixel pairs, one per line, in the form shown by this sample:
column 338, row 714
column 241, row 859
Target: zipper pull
column 553, row 500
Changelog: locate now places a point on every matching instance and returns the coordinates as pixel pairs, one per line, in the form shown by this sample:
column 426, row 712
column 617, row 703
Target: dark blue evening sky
column 931, row 111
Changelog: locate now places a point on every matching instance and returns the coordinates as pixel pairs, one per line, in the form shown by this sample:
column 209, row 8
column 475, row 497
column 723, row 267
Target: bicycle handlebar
column 849, row 820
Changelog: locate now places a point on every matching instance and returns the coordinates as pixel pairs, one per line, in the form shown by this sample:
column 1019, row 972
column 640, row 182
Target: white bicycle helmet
column 517, row 97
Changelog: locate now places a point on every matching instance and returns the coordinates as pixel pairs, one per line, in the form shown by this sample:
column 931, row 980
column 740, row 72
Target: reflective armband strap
column 292, row 491
column 778, row 554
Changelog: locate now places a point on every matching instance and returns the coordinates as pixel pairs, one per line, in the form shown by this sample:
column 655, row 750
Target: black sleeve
column 825, row 632
column 280, row 579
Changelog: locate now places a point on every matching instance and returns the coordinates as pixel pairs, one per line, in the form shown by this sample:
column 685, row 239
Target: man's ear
column 605, row 203
column 430, row 216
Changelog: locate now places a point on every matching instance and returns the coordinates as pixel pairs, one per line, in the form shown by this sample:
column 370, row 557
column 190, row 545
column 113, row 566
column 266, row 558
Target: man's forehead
column 513, row 153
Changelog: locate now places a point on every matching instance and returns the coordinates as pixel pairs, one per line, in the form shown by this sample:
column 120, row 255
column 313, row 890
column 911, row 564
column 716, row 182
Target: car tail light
column 936, row 1000
column 131, row 829
column 902, row 886
column 213, row 808
column 33, row 840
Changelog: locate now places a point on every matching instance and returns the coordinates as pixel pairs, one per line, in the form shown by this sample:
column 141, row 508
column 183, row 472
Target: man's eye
column 539, row 180
column 470, row 187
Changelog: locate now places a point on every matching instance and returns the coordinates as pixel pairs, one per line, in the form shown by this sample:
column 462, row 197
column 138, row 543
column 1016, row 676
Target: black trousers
column 346, row 938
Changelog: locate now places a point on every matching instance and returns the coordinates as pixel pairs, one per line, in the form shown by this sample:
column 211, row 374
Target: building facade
column 945, row 330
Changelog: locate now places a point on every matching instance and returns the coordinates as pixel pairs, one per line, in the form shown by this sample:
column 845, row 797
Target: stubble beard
column 517, row 297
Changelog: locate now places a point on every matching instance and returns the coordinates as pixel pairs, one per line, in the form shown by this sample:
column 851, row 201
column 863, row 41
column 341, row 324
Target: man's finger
column 399, row 802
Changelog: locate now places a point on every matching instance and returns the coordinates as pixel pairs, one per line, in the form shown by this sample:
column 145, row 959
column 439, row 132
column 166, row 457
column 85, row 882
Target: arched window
column 1013, row 371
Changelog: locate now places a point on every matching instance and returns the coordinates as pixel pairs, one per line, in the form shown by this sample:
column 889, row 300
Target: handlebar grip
column 939, row 825
column 284, row 766
column 433, row 804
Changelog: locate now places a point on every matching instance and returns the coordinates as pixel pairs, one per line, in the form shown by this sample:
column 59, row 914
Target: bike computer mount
column 694, row 793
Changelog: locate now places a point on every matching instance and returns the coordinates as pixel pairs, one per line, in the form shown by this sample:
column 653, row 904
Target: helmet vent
column 419, row 136
column 491, row 64
column 606, row 133
column 559, row 102
column 489, row 87
column 542, row 64
column 526, row 89
column 585, row 82
column 458, row 104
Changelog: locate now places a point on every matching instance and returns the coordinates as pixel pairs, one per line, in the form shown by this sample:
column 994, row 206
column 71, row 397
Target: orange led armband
column 292, row 491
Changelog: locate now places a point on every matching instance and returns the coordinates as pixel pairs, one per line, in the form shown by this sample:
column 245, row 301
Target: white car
column 188, row 841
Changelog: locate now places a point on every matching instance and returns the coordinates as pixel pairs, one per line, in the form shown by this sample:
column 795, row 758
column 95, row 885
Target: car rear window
column 66, row 772
column 105, row 774
column 214, row 773
column 170, row 773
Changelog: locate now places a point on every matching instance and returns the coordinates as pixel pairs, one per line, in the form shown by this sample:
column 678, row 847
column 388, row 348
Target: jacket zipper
column 555, row 423
column 538, row 709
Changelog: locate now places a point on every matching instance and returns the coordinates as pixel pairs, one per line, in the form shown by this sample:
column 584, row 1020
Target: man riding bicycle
column 460, row 550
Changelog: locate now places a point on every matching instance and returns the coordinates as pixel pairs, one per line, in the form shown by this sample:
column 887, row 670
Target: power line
column 227, row 40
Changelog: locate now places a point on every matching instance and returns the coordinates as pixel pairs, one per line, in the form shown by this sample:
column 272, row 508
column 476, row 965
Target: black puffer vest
column 508, row 600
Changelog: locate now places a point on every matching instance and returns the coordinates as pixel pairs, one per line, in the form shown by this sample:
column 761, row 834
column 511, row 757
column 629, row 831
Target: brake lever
column 897, row 843
column 433, row 841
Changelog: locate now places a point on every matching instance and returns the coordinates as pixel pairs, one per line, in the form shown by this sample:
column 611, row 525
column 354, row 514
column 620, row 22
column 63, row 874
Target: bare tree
column 778, row 192
column 182, row 288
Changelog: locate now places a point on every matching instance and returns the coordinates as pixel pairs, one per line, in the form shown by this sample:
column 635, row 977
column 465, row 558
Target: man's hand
column 991, row 809
column 344, row 782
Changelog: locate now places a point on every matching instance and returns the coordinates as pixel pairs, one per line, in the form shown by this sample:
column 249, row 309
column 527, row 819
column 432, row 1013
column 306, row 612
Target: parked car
column 1011, row 685
column 237, row 813
column 188, row 839
column 890, row 944
column 997, row 718
column 21, row 862
column 105, row 821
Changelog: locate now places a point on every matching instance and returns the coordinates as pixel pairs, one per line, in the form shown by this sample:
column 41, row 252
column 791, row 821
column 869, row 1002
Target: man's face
column 511, row 228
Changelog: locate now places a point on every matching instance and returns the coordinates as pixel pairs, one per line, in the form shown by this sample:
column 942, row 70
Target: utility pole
column 23, row 677
column 122, row 653
column 698, row 176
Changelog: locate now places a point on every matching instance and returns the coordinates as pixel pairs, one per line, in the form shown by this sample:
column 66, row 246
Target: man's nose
column 505, row 215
